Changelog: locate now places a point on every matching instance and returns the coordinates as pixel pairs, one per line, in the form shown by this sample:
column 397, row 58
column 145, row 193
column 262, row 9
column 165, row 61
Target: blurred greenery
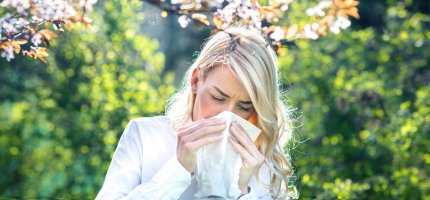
column 60, row 122
column 362, row 98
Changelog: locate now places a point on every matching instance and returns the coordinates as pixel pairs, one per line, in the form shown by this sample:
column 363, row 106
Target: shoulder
column 148, row 122
column 150, row 125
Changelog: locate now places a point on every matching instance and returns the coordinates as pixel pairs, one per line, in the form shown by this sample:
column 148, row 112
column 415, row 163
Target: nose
column 229, row 108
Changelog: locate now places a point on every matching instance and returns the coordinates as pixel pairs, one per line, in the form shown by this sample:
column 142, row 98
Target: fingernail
column 233, row 124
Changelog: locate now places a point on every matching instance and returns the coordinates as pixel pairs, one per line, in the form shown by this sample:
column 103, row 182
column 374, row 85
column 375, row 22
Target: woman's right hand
column 196, row 135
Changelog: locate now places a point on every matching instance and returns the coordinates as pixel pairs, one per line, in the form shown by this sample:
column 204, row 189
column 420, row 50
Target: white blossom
column 176, row 1
column 8, row 54
column 21, row 22
column 340, row 23
column 215, row 3
column 318, row 10
column 244, row 10
column 19, row 5
column 36, row 39
column 9, row 28
column 278, row 34
column 309, row 31
column 284, row 7
column 53, row 9
column 285, row 2
column 87, row 4
column 183, row 21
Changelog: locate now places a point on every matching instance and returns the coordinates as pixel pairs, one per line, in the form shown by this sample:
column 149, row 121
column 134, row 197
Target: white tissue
column 218, row 165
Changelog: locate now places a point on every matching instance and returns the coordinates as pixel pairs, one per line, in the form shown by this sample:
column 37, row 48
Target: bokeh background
column 362, row 101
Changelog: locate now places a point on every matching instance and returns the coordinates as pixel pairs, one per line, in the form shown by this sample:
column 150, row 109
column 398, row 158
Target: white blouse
column 144, row 166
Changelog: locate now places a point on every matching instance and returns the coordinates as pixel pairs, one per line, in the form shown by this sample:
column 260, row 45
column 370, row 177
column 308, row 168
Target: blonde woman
column 236, row 71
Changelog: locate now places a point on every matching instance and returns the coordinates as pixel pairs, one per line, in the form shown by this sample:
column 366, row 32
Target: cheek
column 206, row 107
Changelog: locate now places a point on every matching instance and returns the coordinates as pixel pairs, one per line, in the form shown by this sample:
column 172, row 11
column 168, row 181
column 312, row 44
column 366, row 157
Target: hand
column 194, row 136
column 252, row 158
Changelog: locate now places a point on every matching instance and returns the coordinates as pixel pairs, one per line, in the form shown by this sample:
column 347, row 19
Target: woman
column 156, row 157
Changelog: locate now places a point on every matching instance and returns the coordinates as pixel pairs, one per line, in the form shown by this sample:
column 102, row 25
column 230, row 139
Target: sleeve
column 124, row 174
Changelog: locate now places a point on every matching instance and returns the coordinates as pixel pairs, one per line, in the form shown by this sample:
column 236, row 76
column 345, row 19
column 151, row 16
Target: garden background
column 362, row 101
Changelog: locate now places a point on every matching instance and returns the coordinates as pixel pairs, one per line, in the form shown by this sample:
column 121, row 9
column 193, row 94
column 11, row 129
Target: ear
column 194, row 80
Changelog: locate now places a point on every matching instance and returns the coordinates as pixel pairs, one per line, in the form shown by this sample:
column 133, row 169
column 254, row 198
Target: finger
column 244, row 139
column 240, row 149
column 203, row 141
column 204, row 131
column 204, row 122
column 192, row 127
column 239, row 127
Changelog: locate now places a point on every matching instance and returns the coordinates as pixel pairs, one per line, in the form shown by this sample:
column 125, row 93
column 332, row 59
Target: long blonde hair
column 255, row 64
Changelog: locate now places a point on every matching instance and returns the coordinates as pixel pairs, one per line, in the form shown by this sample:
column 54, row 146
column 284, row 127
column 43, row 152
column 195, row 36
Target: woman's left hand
column 252, row 158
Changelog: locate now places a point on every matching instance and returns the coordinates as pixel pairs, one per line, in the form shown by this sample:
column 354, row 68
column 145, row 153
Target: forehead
column 222, row 77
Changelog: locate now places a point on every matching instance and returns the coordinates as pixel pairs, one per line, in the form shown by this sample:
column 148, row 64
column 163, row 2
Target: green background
column 362, row 102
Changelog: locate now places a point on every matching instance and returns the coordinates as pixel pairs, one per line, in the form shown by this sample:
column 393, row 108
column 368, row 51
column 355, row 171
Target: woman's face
column 220, row 91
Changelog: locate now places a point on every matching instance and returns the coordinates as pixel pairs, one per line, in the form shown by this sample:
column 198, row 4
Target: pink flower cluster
column 23, row 17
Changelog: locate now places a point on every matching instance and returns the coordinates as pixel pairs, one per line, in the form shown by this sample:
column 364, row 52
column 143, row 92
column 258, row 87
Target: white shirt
column 144, row 166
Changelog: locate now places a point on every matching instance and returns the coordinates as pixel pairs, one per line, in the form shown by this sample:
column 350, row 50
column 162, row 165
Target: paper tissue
column 218, row 165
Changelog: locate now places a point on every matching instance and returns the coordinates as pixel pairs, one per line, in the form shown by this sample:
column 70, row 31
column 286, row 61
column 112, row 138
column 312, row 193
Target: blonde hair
column 255, row 64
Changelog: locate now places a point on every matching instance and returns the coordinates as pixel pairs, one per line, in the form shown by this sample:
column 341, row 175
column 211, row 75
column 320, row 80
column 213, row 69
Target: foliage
column 364, row 102
column 60, row 122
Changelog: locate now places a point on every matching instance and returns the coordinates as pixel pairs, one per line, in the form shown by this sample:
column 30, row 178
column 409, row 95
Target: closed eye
column 217, row 98
column 244, row 108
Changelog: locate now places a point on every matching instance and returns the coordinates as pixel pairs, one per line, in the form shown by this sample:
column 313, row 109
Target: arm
column 124, row 174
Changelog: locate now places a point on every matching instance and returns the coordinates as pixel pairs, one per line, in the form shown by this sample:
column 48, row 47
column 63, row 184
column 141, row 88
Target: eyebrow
column 226, row 95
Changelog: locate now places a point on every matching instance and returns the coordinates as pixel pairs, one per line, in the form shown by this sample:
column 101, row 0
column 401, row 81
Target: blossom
column 285, row 3
column 9, row 27
column 183, row 21
column 340, row 23
column 278, row 34
column 21, row 13
column 176, row 1
column 8, row 54
column 19, row 5
column 244, row 10
column 87, row 4
column 21, row 22
column 310, row 29
column 53, row 9
column 215, row 3
column 318, row 9
column 36, row 39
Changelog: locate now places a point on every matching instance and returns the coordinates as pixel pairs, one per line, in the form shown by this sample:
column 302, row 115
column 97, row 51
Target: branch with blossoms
column 327, row 16
column 28, row 21
column 35, row 22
